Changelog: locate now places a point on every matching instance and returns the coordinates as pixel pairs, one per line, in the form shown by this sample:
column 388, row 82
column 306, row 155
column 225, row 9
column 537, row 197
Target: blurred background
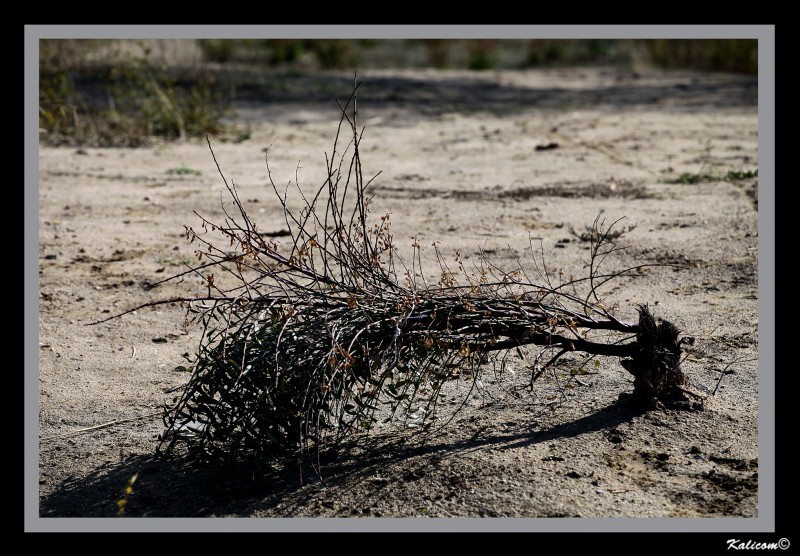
column 128, row 92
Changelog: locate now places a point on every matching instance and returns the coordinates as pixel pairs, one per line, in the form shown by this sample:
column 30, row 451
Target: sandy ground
column 459, row 164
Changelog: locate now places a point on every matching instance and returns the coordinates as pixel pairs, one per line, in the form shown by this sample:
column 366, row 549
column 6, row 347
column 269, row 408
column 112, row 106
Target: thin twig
column 724, row 371
column 102, row 426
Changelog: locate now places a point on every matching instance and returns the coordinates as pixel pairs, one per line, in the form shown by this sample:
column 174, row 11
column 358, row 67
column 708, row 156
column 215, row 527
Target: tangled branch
column 310, row 339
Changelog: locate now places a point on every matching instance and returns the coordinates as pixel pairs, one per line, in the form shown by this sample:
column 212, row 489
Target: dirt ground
column 473, row 161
